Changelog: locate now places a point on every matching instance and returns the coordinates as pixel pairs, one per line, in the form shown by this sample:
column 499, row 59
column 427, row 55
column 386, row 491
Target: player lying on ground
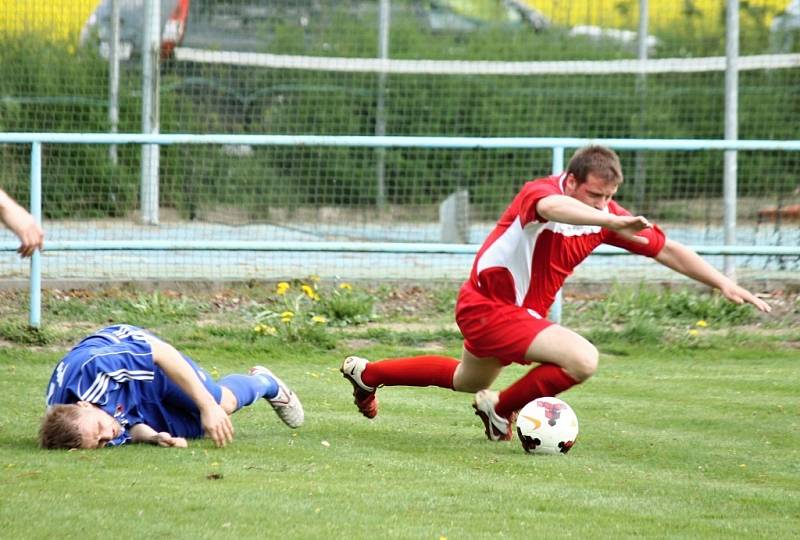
column 22, row 224
column 551, row 226
column 123, row 384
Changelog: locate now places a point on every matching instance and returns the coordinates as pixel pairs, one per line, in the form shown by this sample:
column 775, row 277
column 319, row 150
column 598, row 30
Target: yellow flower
column 287, row 316
column 311, row 293
column 282, row 288
column 701, row 324
column 315, row 278
column 345, row 286
column 694, row 332
column 319, row 319
column 265, row 329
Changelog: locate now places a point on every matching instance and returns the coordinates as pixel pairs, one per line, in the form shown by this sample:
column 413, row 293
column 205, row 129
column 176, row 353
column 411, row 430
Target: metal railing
column 558, row 146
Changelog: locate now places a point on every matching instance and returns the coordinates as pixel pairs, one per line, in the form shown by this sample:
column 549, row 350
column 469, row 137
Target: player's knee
column 584, row 364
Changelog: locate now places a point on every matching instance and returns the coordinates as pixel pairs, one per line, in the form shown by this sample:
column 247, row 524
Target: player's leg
column 474, row 373
column 366, row 376
column 247, row 389
column 565, row 359
column 284, row 401
column 512, row 334
column 262, row 383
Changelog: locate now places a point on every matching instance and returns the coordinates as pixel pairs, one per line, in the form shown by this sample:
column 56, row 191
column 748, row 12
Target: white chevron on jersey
column 100, row 384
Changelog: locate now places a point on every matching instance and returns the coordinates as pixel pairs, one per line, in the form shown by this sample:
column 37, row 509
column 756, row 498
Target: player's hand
column 628, row 226
column 25, row 227
column 740, row 295
column 168, row 441
column 217, row 424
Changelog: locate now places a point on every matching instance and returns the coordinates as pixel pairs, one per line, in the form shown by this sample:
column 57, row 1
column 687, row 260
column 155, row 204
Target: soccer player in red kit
column 550, row 227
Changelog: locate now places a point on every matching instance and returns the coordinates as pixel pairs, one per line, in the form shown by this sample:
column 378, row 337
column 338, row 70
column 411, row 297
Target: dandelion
column 345, row 286
column 693, row 332
column 265, row 329
column 701, row 324
column 319, row 319
column 310, row 292
column 282, row 288
column 287, row 316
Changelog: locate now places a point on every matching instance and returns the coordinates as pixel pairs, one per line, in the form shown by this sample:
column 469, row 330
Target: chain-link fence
column 447, row 68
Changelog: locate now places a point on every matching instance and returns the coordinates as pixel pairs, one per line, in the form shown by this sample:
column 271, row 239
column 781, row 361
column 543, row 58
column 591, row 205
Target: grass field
column 687, row 431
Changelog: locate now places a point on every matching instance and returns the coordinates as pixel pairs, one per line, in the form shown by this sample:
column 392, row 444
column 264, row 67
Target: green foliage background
column 45, row 87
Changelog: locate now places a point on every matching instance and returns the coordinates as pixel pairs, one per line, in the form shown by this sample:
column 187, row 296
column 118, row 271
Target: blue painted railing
column 557, row 145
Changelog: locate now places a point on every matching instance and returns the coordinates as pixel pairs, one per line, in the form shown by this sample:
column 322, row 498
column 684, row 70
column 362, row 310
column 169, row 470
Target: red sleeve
column 532, row 193
column 655, row 236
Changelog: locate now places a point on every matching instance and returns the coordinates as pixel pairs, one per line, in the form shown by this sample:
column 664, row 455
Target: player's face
column 595, row 192
column 96, row 426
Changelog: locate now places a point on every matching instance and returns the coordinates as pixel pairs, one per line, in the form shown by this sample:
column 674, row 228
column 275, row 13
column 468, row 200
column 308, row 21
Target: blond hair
column 59, row 428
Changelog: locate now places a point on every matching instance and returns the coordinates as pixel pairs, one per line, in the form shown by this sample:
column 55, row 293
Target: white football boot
column 363, row 396
column 497, row 427
column 285, row 403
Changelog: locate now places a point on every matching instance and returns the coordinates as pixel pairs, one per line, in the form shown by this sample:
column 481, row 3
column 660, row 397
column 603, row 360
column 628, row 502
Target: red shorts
column 496, row 329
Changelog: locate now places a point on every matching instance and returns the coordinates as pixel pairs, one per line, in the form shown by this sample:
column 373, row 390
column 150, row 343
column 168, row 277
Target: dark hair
column 59, row 428
column 598, row 160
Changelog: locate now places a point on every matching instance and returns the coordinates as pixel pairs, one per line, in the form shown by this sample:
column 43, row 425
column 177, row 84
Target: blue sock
column 248, row 388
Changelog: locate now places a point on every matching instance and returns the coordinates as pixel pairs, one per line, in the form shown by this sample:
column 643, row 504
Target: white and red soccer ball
column 547, row 425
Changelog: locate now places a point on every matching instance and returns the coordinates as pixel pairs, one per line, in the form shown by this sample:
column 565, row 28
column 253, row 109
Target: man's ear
column 570, row 184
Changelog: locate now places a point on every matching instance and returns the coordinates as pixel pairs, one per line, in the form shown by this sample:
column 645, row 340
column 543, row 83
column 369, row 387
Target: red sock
column 415, row 371
column 544, row 380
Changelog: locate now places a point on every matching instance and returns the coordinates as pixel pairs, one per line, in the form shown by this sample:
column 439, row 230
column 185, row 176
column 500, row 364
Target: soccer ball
column 547, row 426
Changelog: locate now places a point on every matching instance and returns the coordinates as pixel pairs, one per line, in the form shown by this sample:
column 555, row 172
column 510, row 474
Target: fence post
column 151, row 52
column 35, row 320
column 113, row 78
column 380, row 112
column 558, row 168
column 731, row 129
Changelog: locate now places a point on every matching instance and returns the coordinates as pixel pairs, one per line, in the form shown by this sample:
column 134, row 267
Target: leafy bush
column 47, row 87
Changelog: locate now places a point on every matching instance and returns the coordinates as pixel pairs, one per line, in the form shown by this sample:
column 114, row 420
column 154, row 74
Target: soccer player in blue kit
column 123, row 384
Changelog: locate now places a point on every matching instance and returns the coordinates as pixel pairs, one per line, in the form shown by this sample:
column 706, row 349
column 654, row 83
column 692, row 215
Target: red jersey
column 525, row 259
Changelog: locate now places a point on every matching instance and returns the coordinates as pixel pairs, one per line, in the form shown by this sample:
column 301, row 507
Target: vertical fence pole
column 731, row 129
column 113, row 78
column 558, row 168
column 380, row 112
column 35, row 320
column 151, row 52
column 639, row 186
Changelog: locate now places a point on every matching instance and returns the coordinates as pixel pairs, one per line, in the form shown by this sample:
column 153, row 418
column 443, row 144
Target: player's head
column 596, row 160
column 79, row 425
column 593, row 176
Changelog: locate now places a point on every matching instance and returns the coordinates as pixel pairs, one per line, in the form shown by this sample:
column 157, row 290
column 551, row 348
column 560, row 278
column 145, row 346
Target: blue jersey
column 114, row 370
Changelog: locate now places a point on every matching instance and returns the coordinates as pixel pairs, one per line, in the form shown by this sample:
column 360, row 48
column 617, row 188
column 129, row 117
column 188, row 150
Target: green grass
column 677, row 440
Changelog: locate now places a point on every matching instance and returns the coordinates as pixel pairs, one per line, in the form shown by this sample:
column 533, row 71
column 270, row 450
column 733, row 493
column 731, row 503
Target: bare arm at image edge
column 22, row 224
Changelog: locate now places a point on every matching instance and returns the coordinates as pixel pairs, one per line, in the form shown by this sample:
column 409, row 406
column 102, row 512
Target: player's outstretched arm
column 142, row 433
column 216, row 422
column 22, row 224
column 564, row 209
column 678, row 257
